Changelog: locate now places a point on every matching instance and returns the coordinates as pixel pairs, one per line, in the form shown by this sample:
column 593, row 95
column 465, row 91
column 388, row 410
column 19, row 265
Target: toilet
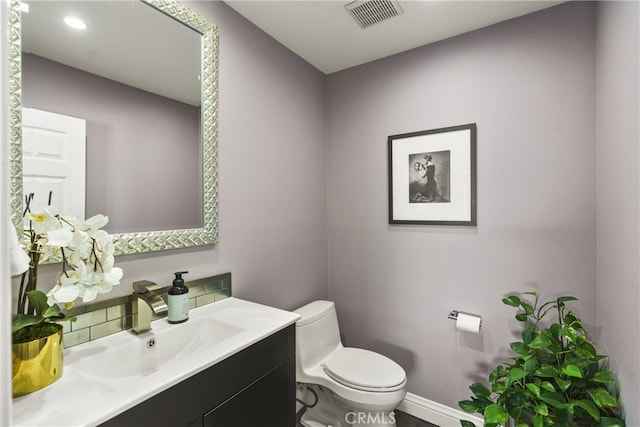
column 353, row 386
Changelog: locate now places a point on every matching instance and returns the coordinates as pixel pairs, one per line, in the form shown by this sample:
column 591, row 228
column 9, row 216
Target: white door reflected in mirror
column 54, row 160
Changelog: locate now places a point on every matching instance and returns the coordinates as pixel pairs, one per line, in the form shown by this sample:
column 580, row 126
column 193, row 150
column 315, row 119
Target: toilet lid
column 364, row 370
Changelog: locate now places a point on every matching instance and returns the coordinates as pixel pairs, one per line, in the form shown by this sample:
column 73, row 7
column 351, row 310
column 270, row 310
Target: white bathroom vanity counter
column 105, row 377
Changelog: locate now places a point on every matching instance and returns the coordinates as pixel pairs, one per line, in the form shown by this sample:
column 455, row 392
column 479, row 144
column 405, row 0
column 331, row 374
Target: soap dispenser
column 178, row 300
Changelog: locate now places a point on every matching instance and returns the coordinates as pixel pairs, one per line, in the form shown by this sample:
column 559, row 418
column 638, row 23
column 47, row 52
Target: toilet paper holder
column 453, row 315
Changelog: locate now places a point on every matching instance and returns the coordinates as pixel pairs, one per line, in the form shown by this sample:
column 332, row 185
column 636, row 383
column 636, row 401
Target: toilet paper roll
column 468, row 323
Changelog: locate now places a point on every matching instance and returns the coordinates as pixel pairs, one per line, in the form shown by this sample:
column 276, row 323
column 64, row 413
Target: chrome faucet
column 146, row 302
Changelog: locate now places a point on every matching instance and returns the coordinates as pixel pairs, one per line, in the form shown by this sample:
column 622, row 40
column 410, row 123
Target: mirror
column 164, row 136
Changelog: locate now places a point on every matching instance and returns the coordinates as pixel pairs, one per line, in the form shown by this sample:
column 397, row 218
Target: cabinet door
column 264, row 403
column 261, row 378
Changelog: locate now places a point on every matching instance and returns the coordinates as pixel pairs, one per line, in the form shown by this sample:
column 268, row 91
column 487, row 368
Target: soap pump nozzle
column 179, row 281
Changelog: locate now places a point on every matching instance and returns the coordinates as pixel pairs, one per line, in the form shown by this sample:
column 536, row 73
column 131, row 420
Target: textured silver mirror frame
column 132, row 243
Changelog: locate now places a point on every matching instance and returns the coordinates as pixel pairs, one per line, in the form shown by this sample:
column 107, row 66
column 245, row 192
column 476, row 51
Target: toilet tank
column 317, row 333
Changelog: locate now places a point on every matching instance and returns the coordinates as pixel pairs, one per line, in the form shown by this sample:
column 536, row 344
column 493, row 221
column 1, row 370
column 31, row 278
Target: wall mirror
column 141, row 79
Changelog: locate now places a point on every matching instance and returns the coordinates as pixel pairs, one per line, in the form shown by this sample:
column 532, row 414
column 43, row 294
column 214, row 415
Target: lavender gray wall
column 143, row 150
column 618, row 202
column 272, row 211
column 529, row 84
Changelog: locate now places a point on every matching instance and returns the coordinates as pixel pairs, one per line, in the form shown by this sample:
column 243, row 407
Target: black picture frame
column 432, row 176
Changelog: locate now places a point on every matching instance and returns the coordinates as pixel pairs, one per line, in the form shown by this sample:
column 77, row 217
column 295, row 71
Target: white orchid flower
column 87, row 281
column 107, row 262
column 66, row 289
column 87, row 252
column 63, row 294
column 78, row 255
column 101, row 237
column 94, row 223
column 113, row 276
column 45, row 220
column 80, row 238
column 108, row 247
column 59, row 238
column 107, row 283
column 89, row 294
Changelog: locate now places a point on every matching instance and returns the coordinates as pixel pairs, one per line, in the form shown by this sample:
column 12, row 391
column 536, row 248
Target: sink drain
column 151, row 342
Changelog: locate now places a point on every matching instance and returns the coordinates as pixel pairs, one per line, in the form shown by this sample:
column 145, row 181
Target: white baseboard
column 436, row 413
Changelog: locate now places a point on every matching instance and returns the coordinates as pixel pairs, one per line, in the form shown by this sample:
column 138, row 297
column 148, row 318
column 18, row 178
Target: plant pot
column 36, row 363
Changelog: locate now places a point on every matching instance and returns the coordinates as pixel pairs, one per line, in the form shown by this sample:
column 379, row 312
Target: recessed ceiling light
column 75, row 23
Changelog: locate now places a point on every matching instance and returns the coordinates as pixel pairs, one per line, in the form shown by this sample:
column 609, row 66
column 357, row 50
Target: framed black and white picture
column 432, row 176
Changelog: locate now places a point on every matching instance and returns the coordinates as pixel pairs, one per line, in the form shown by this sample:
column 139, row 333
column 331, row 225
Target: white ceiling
column 324, row 34
column 125, row 41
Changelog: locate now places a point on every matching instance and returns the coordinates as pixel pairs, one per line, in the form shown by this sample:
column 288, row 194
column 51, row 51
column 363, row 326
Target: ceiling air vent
column 370, row 12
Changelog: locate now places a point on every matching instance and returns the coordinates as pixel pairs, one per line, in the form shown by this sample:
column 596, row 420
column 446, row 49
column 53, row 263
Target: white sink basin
column 123, row 355
column 105, row 377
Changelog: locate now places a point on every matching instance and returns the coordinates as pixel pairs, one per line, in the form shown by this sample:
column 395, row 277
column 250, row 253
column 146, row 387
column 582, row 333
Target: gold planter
column 36, row 364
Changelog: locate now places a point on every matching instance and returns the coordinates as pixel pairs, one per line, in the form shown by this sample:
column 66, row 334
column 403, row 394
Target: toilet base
column 330, row 413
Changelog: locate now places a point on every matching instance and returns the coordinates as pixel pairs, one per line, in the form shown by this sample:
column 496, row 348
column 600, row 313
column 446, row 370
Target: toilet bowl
column 354, row 387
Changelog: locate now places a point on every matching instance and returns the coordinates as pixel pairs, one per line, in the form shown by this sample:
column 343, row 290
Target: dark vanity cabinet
column 253, row 388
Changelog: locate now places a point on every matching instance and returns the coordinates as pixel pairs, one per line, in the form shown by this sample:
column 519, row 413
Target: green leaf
column 528, row 334
column 39, row 301
column 515, row 412
column 540, row 341
column 533, row 388
column 547, row 386
column 586, row 350
column 519, row 348
column 572, row 371
column 565, row 299
column 494, row 414
column 522, row 317
column 563, row 416
column 554, row 399
column 530, row 365
column 468, row 406
column 53, row 312
column 542, row 409
column 20, row 321
column 546, row 371
column 555, row 331
column 611, row 422
column 516, row 374
column 563, row 384
column 589, row 407
column 603, row 377
column 513, row 301
column 466, row 423
column 538, row 420
column 498, row 387
column 479, row 390
column 528, row 309
column 569, row 333
column 602, row 397
column 572, row 320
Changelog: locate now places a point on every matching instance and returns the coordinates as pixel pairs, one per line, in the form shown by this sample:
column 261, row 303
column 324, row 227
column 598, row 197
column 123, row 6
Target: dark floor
column 406, row 420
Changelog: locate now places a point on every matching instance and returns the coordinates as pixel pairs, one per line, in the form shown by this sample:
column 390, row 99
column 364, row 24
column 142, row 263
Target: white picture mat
column 459, row 207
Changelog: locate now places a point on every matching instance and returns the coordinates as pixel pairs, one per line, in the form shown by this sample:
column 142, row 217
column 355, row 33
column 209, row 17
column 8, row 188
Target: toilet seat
column 364, row 370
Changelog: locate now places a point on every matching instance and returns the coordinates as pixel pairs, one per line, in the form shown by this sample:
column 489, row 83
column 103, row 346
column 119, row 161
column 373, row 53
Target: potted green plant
column 556, row 377
column 87, row 256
